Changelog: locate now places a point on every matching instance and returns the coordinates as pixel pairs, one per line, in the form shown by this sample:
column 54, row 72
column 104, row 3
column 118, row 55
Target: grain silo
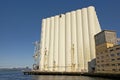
column 67, row 41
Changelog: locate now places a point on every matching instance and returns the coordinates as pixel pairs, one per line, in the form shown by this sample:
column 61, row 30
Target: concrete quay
column 51, row 73
column 104, row 75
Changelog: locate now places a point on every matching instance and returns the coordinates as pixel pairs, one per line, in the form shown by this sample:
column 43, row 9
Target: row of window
column 114, row 59
column 103, row 65
column 112, row 55
column 107, row 70
column 110, row 50
column 107, row 60
column 102, row 52
column 118, row 54
column 115, row 49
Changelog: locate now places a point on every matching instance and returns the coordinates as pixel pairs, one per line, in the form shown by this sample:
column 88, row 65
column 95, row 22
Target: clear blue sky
column 20, row 23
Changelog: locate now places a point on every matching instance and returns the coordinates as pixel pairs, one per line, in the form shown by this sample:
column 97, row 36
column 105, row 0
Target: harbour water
column 18, row 75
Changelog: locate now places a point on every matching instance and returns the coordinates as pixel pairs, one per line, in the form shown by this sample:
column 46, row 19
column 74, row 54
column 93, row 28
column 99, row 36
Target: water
column 18, row 75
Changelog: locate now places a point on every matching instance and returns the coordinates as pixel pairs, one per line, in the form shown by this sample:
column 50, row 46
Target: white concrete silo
column 68, row 41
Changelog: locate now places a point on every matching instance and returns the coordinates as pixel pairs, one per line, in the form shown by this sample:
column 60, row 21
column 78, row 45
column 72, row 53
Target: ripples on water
column 13, row 75
column 18, row 75
column 67, row 78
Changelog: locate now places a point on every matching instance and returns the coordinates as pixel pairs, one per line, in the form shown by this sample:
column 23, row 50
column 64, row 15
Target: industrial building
column 67, row 41
column 107, row 52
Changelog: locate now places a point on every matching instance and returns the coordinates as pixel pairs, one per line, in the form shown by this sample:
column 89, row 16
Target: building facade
column 67, row 41
column 107, row 52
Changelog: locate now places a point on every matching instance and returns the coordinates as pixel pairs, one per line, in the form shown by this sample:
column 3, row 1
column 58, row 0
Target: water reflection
column 49, row 77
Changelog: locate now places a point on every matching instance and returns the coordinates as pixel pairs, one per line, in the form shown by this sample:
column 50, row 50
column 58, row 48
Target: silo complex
column 67, row 41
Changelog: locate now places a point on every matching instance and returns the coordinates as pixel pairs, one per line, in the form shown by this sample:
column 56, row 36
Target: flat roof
column 104, row 31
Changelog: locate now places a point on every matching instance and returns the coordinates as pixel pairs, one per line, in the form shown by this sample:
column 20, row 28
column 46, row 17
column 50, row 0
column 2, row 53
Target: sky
column 20, row 24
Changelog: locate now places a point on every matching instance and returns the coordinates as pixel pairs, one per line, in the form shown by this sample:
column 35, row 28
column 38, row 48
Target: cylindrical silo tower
column 80, row 40
column 51, row 46
column 56, row 38
column 86, row 45
column 42, row 47
column 61, row 61
column 68, row 41
column 74, row 42
column 47, row 42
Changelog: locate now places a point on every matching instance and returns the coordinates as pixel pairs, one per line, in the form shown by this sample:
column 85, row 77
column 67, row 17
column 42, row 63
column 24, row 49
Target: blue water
column 13, row 75
column 18, row 75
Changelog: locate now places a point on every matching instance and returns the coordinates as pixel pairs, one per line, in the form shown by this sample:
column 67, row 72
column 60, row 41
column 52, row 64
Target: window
column 118, row 64
column 107, row 55
column 111, row 50
column 112, row 55
column 118, row 48
column 118, row 58
column 113, row 59
column 107, row 64
column 118, row 54
column 113, row 64
column 113, row 69
column 102, row 60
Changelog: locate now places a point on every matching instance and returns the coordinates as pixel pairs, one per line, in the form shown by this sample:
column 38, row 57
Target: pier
column 51, row 73
column 105, row 75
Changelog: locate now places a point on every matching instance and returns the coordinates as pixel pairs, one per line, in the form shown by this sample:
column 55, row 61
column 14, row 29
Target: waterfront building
column 107, row 52
column 67, row 41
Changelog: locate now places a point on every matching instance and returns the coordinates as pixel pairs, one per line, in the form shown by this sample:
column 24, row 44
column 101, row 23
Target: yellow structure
column 107, row 52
